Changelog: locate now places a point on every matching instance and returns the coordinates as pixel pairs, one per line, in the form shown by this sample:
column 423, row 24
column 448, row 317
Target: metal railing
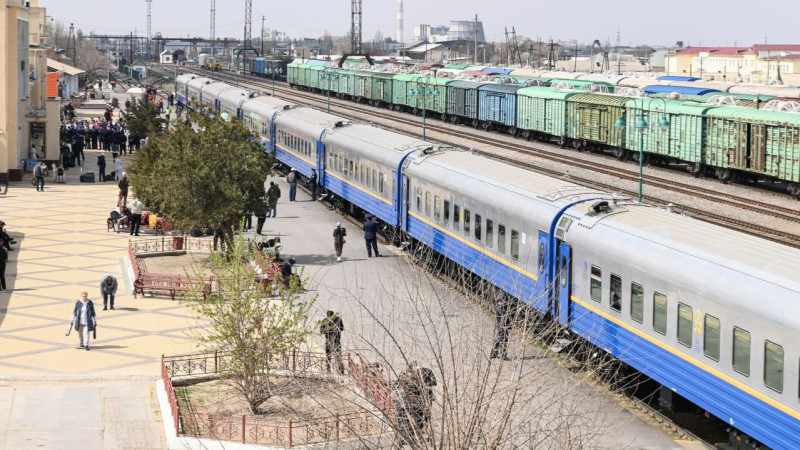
column 169, row 243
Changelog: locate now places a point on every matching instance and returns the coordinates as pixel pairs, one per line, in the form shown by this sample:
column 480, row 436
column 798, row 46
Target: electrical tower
column 355, row 27
column 213, row 26
column 247, row 43
column 71, row 43
column 149, row 25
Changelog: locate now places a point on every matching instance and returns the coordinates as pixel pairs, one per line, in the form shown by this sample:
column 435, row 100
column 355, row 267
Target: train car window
column 350, row 167
column 363, row 175
column 596, row 285
column 660, row 313
column 489, row 233
column 773, row 366
column 437, row 206
column 419, row 199
column 330, row 160
column 466, row 222
column 380, row 183
column 355, row 172
column 501, row 238
column 685, row 324
column 478, row 227
column 374, row 180
column 711, row 334
column 446, row 212
column 541, row 258
column 514, row 244
column 637, row 302
column 427, row 203
column 741, row 351
column 456, row 217
column 369, row 179
column 615, row 293
column 564, row 262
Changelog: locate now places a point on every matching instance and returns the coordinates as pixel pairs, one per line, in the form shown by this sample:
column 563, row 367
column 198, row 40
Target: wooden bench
column 171, row 284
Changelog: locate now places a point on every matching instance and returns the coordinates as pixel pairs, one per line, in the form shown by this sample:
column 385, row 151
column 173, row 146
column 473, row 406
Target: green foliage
column 143, row 118
column 205, row 179
column 241, row 320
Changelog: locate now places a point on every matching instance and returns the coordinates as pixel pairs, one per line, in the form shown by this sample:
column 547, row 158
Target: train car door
column 216, row 105
column 564, row 282
column 541, row 292
column 404, row 202
column 321, row 163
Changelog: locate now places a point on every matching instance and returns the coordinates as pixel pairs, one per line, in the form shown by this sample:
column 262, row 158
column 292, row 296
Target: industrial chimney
column 399, row 35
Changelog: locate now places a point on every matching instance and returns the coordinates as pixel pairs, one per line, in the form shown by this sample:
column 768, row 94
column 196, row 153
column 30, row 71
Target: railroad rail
column 408, row 124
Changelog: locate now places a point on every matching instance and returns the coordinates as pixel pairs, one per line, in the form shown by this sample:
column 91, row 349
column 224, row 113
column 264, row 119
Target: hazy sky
column 695, row 22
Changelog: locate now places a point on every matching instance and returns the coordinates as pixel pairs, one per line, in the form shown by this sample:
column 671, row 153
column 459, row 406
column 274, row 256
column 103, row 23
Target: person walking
column 338, row 240
column 273, row 194
column 33, row 154
column 291, row 178
column 312, row 185
column 261, row 212
column 108, row 289
column 332, row 327
column 3, row 261
column 371, row 236
column 123, row 190
column 101, row 167
column 38, row 176
column 117, row 168
column 502, row 327
column 84, row 319
column 136, row 215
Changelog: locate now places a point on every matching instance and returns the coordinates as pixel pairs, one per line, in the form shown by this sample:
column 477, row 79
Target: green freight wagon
column 683, row 139
column 410, row 91
column 382, row 88
column 296, row 74
column 315, row 80
column 542, row 112
column 363, row 85
column 754, row 141
column 590, row 120
column 346, row 88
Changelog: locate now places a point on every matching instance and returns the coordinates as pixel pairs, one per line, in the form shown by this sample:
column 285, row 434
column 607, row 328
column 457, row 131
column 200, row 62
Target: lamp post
column 642, row 126
column 422, row 83
column 327, row 74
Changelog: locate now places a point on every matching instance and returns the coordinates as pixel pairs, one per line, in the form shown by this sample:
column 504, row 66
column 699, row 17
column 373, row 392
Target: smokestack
column 399, row 35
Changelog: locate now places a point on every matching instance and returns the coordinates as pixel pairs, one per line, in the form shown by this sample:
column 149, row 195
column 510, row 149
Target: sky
column 695, row 22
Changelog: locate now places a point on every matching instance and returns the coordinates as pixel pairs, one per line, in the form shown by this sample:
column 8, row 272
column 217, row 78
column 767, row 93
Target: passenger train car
column 711, row 314
column 589, row 118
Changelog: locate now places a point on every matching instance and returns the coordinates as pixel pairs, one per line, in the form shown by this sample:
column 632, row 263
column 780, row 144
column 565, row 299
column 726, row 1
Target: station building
column 27, row 115
column 759, row 63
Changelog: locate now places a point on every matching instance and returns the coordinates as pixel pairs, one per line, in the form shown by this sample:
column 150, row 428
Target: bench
column 171, row 284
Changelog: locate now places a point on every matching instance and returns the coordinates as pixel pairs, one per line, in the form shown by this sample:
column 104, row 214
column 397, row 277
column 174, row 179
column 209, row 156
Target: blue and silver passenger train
column 711, row 314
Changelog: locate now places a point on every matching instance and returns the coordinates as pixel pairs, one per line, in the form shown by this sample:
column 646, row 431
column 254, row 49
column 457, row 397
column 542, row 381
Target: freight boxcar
column 681, row 141
column 462, row 102
column 497, row 106
column 591, row 120
column 363, row 86
column 542, row 113
column 382, row 88
column 416, row 92
column 754, row 143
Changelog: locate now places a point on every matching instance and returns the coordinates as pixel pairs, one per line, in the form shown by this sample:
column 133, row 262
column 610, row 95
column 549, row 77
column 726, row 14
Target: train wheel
column 453, row 119
column 620, row 153
column 724, row 174
column 645, row 157
column 695, row 169
column 525, row 134
column 562, row 142
column 794, row 190
column 475, row 123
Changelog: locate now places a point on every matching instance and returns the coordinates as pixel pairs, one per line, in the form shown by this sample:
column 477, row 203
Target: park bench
column 171, row 284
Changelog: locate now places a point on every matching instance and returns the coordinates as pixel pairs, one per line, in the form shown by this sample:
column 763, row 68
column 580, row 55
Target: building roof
column 69, row 70
column 775, row 48
column 165, row 52
column 716, row 51
column 423, row 48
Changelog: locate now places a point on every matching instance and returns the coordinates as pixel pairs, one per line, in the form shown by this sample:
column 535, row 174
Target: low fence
column 371, row 379
column 254, row 430
column 170, row 244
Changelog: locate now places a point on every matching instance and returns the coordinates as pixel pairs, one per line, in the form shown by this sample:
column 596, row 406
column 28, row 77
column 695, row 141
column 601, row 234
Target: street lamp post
column 327, row 75
column 422, row 89
column 642, row 126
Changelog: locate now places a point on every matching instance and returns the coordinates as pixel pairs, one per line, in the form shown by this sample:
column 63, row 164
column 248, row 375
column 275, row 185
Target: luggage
column 110, row 177
column 87, row 177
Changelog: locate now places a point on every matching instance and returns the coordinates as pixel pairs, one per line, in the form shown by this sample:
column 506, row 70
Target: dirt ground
column 297, row 399
column 177, row 265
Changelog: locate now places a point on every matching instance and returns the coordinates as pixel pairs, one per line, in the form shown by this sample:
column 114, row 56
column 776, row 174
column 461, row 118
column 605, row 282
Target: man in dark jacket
column 77, row 151
column 332, row 327
column 84, row 319
column 101, row 166
column 502, row 327
column 371, row 236
column 312, row 185
column 3, row 260
column 108, row 288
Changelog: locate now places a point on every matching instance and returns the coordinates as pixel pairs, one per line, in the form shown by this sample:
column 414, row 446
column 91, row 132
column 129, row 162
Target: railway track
column 409, row 124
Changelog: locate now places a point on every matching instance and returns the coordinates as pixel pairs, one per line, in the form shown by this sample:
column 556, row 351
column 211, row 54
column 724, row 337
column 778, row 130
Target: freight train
column 709, row 313
column 730, row 142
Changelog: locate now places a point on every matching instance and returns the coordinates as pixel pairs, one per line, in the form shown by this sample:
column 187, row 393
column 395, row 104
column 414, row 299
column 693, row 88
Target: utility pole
column 70, row 42
column 508, row 53
column 247, row 42
column 263, row 18
column 149, row 25
column 212, row 31
column 575, row 66
column 475, row 37
column 355, row 27
column 551, row 57
column 619, row 56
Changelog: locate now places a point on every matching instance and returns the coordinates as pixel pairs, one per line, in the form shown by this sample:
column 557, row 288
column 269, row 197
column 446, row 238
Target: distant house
column 166, row 57
column 67, row 79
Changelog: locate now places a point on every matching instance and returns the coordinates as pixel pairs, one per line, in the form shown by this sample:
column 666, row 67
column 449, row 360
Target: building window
column 615, row 293
column 637, row 302
column 489, row 233
column 773, row 366
column 741, row 351
column 514, row 244
column 456, row 217
column 685, row 324
column 446, row 212
column 427, row 203
column 596, row 284
column 466, row 222
column 437, row 206
column 660, row 313
column 501, row 238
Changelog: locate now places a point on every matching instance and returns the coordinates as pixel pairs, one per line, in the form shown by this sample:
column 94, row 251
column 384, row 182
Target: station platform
column 56, row 396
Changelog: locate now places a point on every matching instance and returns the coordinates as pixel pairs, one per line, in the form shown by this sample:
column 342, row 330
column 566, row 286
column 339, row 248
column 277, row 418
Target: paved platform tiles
column 64, row 248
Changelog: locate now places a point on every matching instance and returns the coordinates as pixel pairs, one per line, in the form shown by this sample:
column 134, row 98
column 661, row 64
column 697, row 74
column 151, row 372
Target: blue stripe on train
column 381, row 210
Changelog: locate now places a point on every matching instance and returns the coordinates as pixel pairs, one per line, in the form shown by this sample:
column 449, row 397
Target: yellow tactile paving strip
column 62, row 249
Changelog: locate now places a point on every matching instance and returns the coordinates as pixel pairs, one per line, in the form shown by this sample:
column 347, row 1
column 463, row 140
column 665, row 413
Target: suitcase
column 87, row 177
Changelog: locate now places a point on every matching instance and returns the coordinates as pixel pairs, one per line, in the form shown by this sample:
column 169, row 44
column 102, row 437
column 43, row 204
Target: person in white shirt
column 84, row 319
column 136, row 215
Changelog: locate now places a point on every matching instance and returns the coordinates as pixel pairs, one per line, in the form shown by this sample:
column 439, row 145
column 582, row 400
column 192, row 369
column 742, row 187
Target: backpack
column 291, row 177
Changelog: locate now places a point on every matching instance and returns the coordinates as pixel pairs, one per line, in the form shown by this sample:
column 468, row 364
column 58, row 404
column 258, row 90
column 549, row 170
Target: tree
column 204, row 179
column 143, row 118
column 251, row 331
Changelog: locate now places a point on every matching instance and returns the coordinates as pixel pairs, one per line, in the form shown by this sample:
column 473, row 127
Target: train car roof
column 310, row 116
column 216, row 88
column 366, row 139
